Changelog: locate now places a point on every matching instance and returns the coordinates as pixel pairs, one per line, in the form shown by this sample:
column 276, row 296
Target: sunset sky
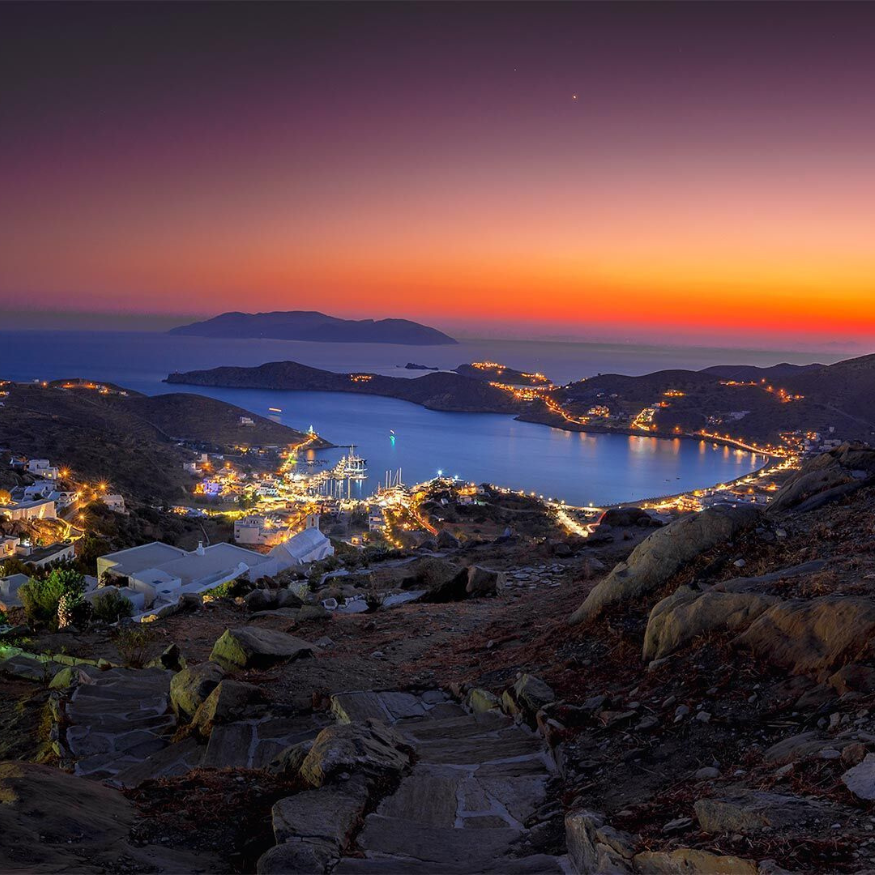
column 698, row 172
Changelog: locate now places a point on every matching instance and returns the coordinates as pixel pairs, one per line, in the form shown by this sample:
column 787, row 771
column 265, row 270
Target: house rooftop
column 137, row 559
column 217, row 558
column 302, row 543
column 47, row 552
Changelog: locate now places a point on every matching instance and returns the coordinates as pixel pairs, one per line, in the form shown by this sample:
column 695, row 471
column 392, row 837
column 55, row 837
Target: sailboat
column 351, row 467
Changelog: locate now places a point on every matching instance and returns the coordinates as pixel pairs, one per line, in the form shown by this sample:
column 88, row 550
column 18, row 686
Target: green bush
column 110, row 607
column 229, row 590
column 40, row 598
column 134, row 644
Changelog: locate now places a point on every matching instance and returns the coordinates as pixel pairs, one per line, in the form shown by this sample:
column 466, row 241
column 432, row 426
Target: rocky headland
column 441, row 390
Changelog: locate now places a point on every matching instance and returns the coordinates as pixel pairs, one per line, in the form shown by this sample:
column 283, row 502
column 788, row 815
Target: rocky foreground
column 696, row 698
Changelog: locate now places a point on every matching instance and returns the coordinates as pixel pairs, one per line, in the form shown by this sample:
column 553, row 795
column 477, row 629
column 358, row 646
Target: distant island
column 315, row 327
column 440, row 390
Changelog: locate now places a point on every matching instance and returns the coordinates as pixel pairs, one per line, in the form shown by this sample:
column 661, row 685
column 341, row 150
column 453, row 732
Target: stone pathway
column 477, row 779
column 30, row 669
column 121, row 729
column 118, row 718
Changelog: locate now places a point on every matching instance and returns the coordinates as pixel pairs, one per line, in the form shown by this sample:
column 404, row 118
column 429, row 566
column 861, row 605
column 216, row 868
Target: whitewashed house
column 161, row 573
column 114, row 502
column 39, row 557
column 37, row 508
column 40, row 489
column 8, row 546
column 309, row 545
column 63, row 498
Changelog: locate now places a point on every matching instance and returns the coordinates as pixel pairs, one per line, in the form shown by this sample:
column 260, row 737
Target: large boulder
column 853, row 678
column 526, row 697
column 826, row 477
column 228, row 702
column 446, row 540
column 258, row 648
column 310, row 857
column 690, row 861
column 484, row 581
column 798, row 747
column 289, row 761
column 442, row 581
column 190, row 688
column 328, row 814
column 860, row 779
column 813, row 636
column 260, row 600
column 751, row 811
column 688, row 613
column 482, row 701
column 370, row 748
column 595, row 846
column 656, row 559
column 285, row 598
column 624, row 517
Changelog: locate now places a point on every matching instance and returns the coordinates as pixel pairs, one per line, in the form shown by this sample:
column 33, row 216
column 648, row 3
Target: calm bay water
column 482, row 447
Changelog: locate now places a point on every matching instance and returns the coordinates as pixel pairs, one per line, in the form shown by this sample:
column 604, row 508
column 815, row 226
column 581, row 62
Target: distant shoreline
column 547, row 421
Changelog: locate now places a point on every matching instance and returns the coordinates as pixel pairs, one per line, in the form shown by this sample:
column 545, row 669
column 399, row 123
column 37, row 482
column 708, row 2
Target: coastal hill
column 315, row 327
column 752, row 372
column 749, row 403
column 492, row 372
column 438, row 391
column 130, row 440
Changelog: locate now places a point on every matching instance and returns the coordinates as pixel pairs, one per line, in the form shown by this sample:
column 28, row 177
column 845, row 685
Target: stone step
column 84, row 711
column 509, row 745
column 428, row 796
column 393, row 707
column 456, row 727
column 230, row 746
column 29, row 669
column 175, row 759
column 114, row 723
column 474, row 848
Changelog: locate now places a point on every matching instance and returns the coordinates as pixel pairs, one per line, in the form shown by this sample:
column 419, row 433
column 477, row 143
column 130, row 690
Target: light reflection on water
column 580, row 468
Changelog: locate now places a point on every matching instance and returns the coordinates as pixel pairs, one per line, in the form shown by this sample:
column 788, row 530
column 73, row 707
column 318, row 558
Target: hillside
column 752, row 372
column 207, row 420
column 315, row 327
column 437, row 391
column 756, row 404
column 848, row 386
column 131, row 441
column 492, row 372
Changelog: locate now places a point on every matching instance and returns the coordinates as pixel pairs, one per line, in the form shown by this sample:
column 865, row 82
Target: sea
column 393, row 436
